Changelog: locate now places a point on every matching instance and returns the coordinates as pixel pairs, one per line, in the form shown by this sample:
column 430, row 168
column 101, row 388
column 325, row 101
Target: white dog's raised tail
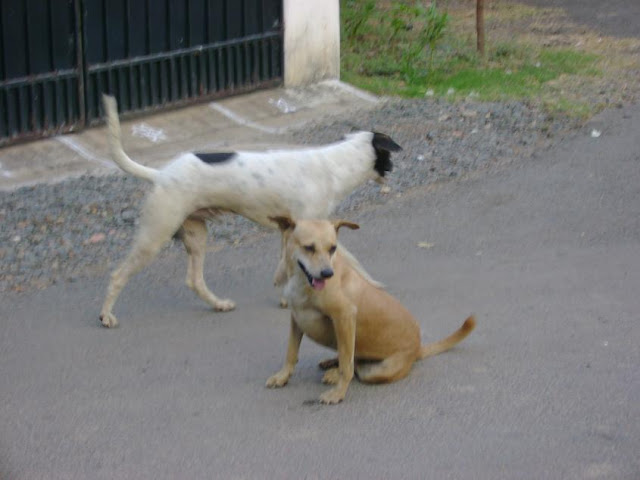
column 115, row 144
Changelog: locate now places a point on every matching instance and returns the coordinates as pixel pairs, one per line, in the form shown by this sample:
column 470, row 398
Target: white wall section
column 311, row 41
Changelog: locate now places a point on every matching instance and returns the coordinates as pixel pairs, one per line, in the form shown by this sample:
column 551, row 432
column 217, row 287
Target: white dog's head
column 383, row 145
column 311, row 246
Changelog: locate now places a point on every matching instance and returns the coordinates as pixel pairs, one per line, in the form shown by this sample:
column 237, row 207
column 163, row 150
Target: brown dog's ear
column 284, row 223
column 343, row 223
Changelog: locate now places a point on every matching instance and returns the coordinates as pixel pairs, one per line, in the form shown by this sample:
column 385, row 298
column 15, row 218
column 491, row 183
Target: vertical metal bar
column 14, row 31
column 256, row 60
column 57, row 94
column 144, row 81
column 3, row 111
column 191, row 61
column 124, row 77
column 210, row 71
column 153, row 83
column 231, row 66
column 248, row 63
column 3, row 53
column 184, row 75
column 35, row 115
column 80, row 64
column 173, row 80
column 264, row 55
column 71, row 94
column 239, row 64
column 23, row 96
column 272, row 58
column 259, row 65
column 147, row 49
column 222, row 77
column 46, row 90
column 12, row 121
column 127, row 35
column 153, row 91
column 99, row 84
column 164, row 87
column 105, row 30
column 134, row 100
column 47, row 105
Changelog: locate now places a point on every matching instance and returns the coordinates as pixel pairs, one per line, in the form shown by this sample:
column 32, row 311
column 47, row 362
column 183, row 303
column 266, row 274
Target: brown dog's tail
column 449, row 342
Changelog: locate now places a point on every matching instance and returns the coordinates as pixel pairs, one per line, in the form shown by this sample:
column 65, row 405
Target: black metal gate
column 58, row 56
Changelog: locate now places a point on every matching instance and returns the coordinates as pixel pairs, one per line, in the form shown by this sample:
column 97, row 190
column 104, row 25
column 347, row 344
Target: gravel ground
column 62, row 232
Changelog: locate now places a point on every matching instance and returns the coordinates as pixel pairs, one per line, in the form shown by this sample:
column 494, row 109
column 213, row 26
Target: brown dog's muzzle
column 317, row 283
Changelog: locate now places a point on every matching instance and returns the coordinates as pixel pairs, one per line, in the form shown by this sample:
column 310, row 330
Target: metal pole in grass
column 480, row 26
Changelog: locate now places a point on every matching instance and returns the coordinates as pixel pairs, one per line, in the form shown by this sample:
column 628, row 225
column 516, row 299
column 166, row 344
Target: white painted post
column 311, row 41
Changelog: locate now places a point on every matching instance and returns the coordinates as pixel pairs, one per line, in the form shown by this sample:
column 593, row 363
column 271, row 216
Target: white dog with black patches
column 301, row 183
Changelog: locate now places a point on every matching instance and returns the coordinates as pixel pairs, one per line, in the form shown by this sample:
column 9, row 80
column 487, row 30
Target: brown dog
column 337, row 307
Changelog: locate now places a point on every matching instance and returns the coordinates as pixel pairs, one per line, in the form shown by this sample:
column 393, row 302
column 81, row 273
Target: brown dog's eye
column 310, row 248
column 332, row 250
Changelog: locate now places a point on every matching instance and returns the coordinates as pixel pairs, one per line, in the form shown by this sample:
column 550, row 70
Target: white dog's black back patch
column 215, row 157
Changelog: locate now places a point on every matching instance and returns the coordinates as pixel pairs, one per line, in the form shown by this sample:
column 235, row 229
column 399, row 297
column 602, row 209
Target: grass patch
column 385, row 53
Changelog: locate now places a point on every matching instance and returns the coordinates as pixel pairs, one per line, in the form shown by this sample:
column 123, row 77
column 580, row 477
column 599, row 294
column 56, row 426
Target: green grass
column 381, row 58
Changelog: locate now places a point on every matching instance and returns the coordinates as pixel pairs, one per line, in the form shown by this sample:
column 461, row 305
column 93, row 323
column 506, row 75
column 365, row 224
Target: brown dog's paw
column 278, row 380
column 328, row 363
column 331, row 376
column 109, row 320
column 333, row 396
column 224, row 305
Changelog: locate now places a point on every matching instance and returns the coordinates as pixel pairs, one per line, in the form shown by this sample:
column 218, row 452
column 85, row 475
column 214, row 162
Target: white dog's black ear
column 343, row 223
column 385, row 142
column 284, row 223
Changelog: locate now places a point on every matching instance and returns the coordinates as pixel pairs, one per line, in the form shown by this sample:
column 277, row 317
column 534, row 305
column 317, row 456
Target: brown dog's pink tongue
column 317, row 283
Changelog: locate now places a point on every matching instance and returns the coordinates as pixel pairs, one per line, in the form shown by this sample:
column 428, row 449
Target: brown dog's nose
column 326, row 273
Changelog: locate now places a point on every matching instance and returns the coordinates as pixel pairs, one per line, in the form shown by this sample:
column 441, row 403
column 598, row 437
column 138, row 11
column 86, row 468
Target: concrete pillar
column 311, row 41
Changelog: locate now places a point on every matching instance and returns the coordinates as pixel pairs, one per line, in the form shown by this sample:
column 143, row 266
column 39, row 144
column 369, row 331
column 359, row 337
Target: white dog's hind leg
column 157, row 225
column 194, row 237
column 141, row 255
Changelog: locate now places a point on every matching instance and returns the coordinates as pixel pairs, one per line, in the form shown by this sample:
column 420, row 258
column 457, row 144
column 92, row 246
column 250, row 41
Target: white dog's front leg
column 195, row 241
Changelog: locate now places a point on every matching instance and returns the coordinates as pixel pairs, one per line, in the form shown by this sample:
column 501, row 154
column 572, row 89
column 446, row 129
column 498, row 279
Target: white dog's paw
column 278, row 380
column 225, row 305
column 280, row 277
column 109, row 320
column 283, row 302
column 331, row 376
column 333, row 396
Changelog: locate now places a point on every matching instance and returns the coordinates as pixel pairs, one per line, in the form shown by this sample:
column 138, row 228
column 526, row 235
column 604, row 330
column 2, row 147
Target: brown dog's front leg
column 344, row 324
column 280, row 276
column 281, row 378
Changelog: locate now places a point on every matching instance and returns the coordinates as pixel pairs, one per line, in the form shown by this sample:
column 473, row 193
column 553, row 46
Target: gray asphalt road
column 613, row 17
column 546, row 253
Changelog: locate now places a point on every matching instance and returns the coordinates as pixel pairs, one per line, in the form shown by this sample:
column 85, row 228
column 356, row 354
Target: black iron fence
column 58, row 56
